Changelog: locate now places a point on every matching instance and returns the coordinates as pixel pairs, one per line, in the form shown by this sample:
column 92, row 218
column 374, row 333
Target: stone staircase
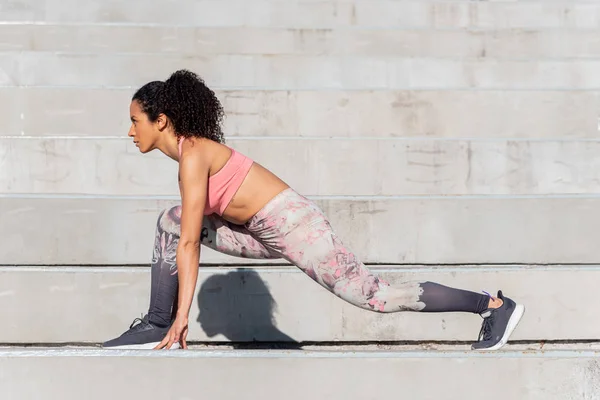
column 453, row 141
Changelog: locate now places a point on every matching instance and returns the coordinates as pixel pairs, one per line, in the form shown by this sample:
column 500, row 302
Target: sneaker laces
column 142, row 322
column 485, row 333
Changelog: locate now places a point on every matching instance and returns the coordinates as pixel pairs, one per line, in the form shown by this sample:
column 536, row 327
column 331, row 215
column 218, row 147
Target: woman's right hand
column 177, row 333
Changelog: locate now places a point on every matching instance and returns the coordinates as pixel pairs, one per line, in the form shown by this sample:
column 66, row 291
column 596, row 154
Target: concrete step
column 495, row 44
column 337, row 375
column 281, row 304
column 290, row 72
column 434, row 229
column 35, row 111
column 382, row 167
column 314, row 14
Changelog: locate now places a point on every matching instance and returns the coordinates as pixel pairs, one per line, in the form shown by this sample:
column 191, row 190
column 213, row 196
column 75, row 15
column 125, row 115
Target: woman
column 235, row 206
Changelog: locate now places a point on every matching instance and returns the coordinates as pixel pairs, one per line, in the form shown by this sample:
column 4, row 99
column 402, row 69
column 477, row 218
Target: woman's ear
column 162, row 122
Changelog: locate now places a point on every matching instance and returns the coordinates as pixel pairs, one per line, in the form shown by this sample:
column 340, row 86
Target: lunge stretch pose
column 234, row 205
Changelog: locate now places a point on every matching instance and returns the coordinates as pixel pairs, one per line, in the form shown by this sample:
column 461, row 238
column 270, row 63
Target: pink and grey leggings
column 293, row 228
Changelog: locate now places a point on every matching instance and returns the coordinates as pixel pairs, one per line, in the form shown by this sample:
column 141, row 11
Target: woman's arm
column 194, row 184
column 193, row 177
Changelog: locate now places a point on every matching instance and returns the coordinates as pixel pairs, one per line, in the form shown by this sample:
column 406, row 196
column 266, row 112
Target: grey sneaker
column 498, row 324
column 143, row 335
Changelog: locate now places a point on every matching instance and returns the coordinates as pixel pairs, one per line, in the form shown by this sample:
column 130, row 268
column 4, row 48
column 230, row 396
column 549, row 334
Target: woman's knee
column 169, row 220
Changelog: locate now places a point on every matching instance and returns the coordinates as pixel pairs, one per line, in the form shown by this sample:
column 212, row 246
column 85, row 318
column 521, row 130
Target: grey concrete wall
column 90, row 305
column 349, row 41
column 66, row 374
column 299, row 72
column 363, row 166
column 315, row 13
column 492, row 114
column 442, row 132
column 475, row 229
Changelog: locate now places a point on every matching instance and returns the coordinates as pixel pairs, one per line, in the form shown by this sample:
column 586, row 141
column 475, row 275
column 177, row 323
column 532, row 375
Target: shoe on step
column 143, row 335
column 498, row 324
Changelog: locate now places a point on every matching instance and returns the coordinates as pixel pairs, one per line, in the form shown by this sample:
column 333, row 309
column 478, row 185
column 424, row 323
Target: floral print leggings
column 293, row 228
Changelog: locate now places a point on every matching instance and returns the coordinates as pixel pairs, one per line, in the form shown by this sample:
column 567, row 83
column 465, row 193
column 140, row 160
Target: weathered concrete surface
column 292, row 72
column 314, row 14
column 505, row 83
column 186, row 40
column 281, row 304
column 269, row 375
column 393, row 230
column 546, row 114
column 321, row 167
column 527, row 347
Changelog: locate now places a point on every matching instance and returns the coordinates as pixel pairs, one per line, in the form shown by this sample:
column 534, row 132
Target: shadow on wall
column 239, row 306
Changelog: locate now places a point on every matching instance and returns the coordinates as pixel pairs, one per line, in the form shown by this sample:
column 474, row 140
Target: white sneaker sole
column 145, row 346
column 510, row 327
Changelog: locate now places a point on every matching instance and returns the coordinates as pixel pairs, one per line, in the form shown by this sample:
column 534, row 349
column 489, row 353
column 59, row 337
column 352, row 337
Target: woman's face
column 144, row 132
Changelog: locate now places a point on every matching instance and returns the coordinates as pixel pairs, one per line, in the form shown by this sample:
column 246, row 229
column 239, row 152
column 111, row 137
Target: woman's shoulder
column 204, row 147
column 204, row 151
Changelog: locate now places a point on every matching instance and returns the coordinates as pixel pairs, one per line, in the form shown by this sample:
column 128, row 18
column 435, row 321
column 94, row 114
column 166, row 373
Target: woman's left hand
column 177, row 333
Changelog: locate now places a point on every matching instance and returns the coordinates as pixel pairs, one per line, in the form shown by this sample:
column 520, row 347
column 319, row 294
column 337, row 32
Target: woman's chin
column 145, row 149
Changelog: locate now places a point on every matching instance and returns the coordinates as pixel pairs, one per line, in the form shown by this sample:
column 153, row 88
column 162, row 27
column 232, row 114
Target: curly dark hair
column 193, row 108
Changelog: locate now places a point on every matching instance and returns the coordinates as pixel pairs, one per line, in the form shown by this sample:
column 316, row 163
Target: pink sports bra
column 225, row 183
